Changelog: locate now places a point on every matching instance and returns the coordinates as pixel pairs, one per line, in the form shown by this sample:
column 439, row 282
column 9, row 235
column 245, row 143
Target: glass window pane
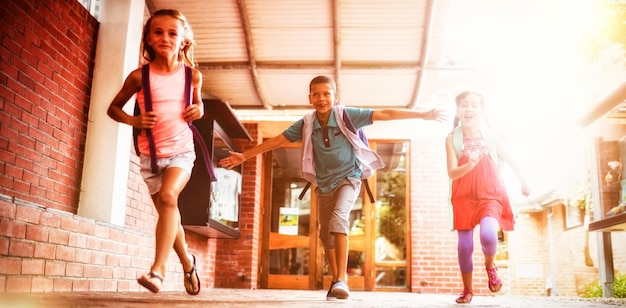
column 291, row 261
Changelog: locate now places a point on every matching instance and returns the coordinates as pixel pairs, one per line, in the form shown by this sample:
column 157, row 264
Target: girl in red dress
column 478, row 193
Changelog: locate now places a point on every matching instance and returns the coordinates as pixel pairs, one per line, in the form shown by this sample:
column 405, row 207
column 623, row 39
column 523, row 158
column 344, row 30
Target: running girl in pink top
column 168, row 47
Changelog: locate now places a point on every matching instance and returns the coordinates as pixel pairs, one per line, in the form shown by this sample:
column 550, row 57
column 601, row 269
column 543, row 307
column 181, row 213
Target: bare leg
column 489, row 261
column 341, row 255
column 467, row 281
column 169, row 231
column 332, row 263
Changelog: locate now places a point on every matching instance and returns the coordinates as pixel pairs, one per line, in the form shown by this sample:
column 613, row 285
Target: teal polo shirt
column 336, row 160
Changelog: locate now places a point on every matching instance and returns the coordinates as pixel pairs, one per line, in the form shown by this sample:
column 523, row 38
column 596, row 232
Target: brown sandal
column 495, row 283
column 146, row 281
column 465, row 298
column 189, row 280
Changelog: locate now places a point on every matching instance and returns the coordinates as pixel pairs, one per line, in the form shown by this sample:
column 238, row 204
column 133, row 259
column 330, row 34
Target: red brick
column 91, row 271
column 10, row 266
column 109, row 285
column 77, row 240
column 93, row 243
column 98, row 258
column 58, row 237
column 125, row 286
column 96, row 285
column 18, row 284
column 87, row 227
column 12, row 228
column 74, row 270
column 45, row 251
column 33, row 267
column 70, row 224
column 21, row 248
column 37, row 233
column 102, row 231
column 7, row 210
column 62, row 285
column 42, row 284
column 80, row 285
column 83, row 256
column 55, row 268
column 66, row 253
column 4, row 246
column 50, row 220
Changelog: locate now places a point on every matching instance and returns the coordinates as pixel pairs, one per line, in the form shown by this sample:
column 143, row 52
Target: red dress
column 481, row 192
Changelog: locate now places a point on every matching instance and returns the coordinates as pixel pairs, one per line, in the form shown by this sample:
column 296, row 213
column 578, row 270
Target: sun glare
column 540, row 82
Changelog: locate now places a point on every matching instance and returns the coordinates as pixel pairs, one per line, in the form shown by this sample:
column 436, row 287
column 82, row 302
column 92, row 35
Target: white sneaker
column 340, row 290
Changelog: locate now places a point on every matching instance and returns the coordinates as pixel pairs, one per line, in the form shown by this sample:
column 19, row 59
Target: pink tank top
column 172, row 135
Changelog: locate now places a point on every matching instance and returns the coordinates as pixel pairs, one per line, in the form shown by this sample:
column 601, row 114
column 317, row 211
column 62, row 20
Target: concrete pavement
column 286, row 298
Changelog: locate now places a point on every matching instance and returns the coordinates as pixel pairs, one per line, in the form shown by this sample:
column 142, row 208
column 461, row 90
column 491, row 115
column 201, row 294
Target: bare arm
column 236, row 158
column 401, row 114
column 454, row 171
column 132, row 84
column 195, row 110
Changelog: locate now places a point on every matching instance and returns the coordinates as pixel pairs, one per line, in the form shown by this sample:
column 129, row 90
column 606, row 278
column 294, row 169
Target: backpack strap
column 361, row 134
column 208, row 161
column 145, row 81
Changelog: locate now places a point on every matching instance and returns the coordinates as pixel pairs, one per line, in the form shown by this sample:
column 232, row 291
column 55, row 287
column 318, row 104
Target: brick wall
column 46, row 59
column 46, row 62
column 238, row 259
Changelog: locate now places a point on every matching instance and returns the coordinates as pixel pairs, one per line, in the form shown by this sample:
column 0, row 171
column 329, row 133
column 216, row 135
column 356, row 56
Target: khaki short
column 334, row 210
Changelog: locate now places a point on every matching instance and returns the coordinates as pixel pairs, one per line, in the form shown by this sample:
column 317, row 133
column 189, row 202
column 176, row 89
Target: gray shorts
column 334, row 210
column 154, row 180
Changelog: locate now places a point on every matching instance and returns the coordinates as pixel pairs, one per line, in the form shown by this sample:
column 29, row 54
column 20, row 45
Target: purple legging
column 488, row 241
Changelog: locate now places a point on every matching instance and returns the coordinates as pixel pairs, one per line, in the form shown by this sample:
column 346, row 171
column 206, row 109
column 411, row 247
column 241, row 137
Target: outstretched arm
column 237, row 158
column 401, row 114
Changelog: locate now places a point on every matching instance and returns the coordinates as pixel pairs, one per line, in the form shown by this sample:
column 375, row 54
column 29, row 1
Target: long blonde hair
column 186, row 53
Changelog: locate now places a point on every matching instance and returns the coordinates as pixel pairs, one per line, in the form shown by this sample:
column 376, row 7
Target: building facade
column 47, row 243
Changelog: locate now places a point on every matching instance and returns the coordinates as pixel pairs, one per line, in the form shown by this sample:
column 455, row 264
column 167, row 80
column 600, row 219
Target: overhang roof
column 260, row 55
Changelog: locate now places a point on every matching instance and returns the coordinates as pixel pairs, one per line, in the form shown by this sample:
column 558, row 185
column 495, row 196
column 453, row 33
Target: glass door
column 289, row 253
column 292, row 256
column 391, row 264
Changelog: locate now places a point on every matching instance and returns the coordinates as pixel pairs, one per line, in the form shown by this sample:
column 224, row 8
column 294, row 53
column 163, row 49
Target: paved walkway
column 285, row 298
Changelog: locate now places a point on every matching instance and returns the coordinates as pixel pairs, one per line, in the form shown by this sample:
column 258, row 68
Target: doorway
column 292, row 256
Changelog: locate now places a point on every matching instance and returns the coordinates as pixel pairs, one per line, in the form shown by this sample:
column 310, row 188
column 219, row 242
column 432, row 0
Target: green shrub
column 595, row 289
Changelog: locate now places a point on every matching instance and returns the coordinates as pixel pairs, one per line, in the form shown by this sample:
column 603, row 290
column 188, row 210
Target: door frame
column 277, row 241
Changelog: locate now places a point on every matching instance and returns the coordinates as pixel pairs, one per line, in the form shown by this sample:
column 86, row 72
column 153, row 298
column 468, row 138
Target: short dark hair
column 323, row 79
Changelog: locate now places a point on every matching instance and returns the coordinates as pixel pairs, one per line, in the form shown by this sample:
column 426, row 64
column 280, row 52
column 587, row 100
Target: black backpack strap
column 304, row 190
column 147, row 95
column 368, row 190
column 208, row 161
column 136, row 131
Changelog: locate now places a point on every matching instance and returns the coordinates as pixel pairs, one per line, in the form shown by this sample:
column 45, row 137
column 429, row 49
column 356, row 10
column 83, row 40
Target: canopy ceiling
column 260, row 55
